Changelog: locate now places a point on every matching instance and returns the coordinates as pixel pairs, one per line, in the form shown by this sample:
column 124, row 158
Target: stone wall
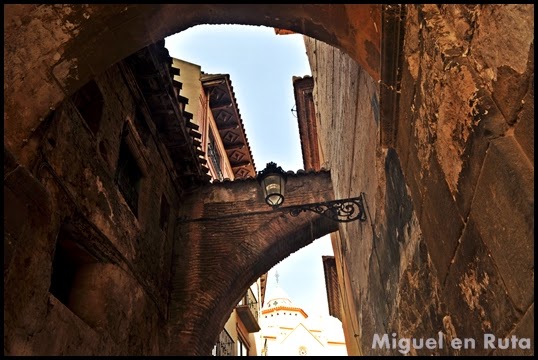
column 118, row 301
column 467, row 95
column 450, row 244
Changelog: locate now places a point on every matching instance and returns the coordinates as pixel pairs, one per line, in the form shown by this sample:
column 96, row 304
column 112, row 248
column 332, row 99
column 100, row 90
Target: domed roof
column 280, row 301
column 278, row 297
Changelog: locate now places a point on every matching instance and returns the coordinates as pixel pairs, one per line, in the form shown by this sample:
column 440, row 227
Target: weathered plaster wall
column 125, row 293
column 450, row 243
column 467, row 141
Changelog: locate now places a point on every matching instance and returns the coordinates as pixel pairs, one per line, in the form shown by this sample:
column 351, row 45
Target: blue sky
column 261, row 65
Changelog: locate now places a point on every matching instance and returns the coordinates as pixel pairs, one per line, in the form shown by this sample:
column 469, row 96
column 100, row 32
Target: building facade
column 100, row 269
column 287, row 330
column 240, row 335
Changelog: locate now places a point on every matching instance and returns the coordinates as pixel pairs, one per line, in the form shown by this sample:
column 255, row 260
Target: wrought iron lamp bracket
column 345, row 210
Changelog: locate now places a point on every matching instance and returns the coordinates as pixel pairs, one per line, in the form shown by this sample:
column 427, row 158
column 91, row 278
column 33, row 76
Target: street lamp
column 272, row 180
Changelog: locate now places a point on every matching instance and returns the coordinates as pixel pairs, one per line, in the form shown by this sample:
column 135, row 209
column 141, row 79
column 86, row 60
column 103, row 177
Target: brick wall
column 228, row 238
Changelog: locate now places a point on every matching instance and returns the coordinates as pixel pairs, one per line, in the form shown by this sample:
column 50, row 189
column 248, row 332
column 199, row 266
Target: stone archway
column 50, row 51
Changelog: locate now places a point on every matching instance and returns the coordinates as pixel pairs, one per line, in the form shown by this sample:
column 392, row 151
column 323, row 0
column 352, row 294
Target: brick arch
column 218, row 259
column 52, row 50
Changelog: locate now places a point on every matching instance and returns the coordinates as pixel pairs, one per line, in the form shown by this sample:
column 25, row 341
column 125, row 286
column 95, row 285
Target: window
column 89, row 103
column 69, row 267
column 128, row 174
column 214, row 156
column 165, row 213
column 141, row 126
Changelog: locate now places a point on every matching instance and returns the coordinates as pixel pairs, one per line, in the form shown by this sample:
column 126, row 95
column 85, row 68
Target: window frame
column 131, row 142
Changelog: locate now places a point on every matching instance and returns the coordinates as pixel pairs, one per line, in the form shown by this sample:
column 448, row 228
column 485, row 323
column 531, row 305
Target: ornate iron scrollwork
column 339, row 210
column 343, row 210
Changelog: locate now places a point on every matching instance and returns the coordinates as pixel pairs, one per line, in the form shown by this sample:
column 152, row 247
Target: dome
column 278, row 298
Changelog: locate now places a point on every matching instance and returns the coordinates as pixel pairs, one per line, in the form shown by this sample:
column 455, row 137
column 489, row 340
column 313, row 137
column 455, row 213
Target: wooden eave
column 331, row 284
column 306, row 119
column 152, row 70
column 227, row 117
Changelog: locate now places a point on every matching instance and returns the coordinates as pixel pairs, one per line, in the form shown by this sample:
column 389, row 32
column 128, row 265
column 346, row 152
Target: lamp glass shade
column 273, row 189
